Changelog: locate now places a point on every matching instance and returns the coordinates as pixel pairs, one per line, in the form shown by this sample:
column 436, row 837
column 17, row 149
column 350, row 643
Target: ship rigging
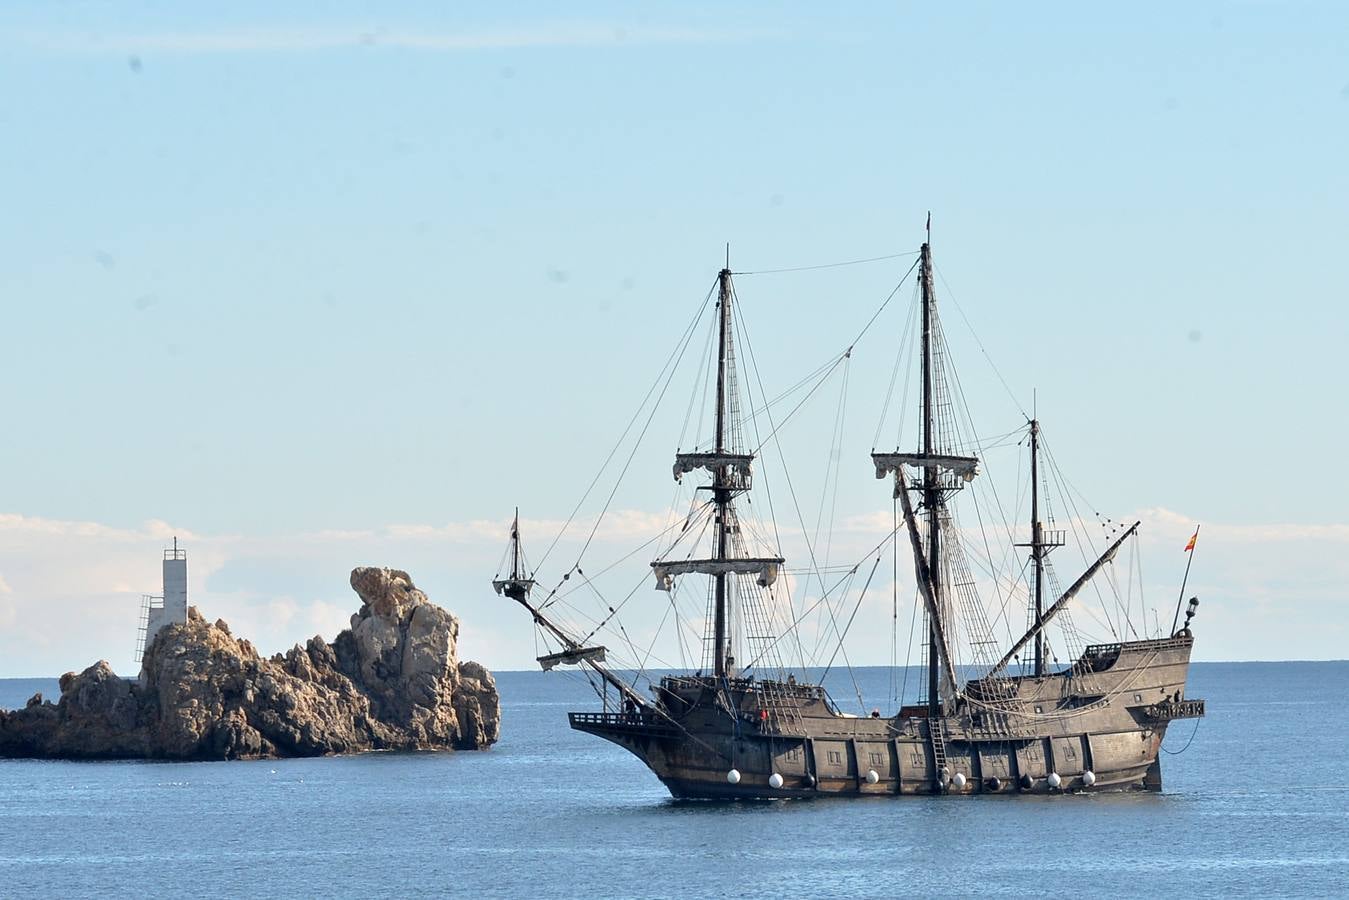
column 739, row 722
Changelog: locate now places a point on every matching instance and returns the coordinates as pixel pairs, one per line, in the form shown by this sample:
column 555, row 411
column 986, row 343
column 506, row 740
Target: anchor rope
column 1187, row 743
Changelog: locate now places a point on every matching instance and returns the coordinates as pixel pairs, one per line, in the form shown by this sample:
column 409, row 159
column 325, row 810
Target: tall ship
column 994, row 712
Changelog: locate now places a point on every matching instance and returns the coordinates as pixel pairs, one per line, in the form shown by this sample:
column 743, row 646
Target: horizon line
column 495, row 671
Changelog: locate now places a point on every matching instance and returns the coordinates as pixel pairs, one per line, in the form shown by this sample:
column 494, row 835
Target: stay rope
column 671, row 363
column 1187, row 743
column 835, row 265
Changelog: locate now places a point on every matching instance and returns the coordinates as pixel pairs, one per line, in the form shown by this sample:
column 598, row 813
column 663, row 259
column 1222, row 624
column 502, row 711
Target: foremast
column 721, row 487
column 731, row 475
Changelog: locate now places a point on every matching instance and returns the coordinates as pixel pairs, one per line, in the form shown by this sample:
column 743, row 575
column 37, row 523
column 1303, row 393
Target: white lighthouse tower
column 171, row 605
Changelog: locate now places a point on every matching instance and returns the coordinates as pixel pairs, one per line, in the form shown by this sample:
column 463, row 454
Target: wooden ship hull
column 1095, row 726
column 1020, row 725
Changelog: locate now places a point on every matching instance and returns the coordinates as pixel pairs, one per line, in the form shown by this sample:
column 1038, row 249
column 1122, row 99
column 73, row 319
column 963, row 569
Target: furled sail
column 766, row 568
column 515, row 588
column 965, row 466
column 737, row 463
column 572, row 657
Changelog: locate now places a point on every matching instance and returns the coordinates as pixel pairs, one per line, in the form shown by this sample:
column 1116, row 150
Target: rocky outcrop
column 392, row 681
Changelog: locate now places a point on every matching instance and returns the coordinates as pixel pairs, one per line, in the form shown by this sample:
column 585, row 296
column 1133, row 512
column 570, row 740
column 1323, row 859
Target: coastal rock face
column 391, row 682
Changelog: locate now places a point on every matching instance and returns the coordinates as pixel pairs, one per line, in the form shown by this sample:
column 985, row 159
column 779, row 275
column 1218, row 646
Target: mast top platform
column 967, row 467
column 766, row 567
column 515, row 588
column 735, row 468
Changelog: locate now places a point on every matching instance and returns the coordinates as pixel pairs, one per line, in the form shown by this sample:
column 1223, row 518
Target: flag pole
column 1194, row 540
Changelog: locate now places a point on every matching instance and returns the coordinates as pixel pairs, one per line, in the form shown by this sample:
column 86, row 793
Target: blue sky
column 271, row 275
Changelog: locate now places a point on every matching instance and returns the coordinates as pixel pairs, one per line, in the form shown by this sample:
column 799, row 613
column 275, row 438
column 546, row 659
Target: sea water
column 1257, row 804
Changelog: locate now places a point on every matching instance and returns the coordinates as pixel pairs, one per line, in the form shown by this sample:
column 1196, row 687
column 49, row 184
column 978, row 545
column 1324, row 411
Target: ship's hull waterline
column 1097, row 726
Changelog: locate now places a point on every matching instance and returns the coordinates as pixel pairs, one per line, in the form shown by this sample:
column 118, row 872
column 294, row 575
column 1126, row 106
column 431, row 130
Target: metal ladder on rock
column 148, row 602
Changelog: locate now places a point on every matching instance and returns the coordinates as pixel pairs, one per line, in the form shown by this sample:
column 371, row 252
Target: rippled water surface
column 1257, row 805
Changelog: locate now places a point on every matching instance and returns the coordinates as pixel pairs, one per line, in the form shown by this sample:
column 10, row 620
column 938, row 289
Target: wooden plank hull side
column 830, row 767
column 1107, row 717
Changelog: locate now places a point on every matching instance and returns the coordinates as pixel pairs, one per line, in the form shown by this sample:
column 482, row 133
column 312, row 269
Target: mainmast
column 1037, row 549
column 931, row 492
column 943, row 472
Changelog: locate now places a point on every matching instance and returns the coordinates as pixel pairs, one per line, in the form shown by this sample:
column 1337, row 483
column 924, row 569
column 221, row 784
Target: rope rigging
column 671, row 363
column 851, row 262
column 966, row 572
column 747, row 609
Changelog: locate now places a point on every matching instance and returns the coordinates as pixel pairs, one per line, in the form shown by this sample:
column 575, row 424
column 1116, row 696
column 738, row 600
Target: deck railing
column 631, row 723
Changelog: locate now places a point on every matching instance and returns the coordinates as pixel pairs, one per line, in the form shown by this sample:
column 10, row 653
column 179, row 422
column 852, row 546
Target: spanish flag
column 1194, row 537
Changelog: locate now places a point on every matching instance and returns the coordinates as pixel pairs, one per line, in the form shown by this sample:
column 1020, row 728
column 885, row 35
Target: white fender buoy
column 1089, row 778
column 958, row 779
column 775, row 781
column 733, row 776
column 872, row 777
column 1054, row 780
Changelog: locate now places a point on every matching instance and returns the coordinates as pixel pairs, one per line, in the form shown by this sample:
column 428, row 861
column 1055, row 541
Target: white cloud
column 280, row 39
column 1177, row 525
column 72, row 589
column 70, row 592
